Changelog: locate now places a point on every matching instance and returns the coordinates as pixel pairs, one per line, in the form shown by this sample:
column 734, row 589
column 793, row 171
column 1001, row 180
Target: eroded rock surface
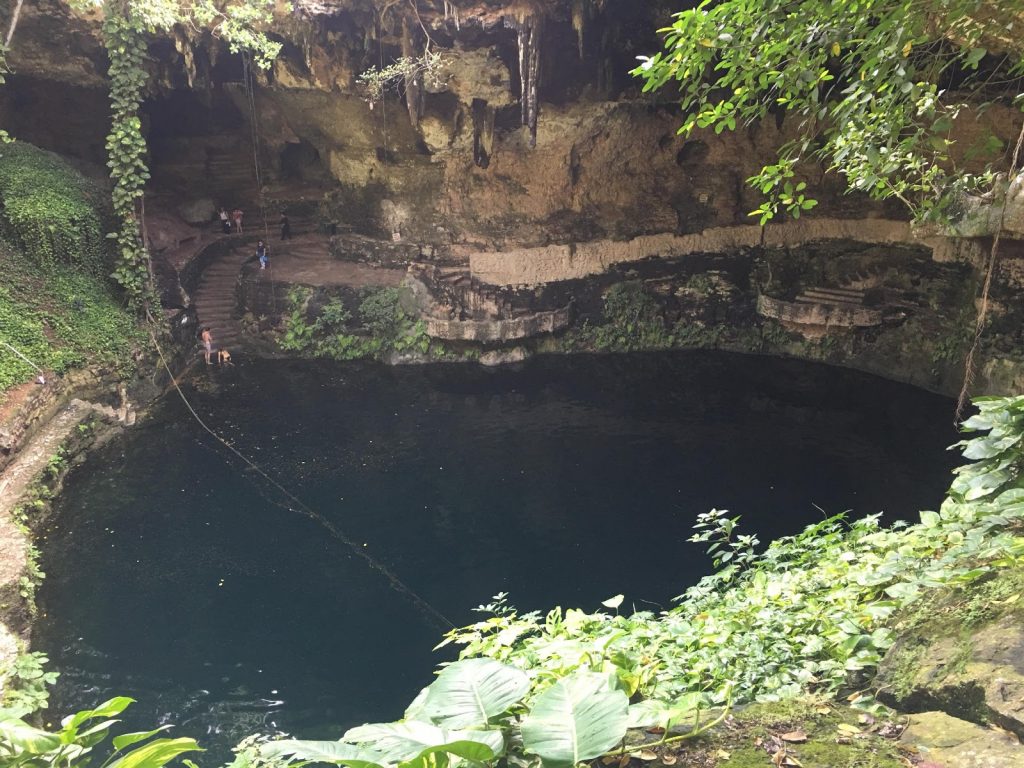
column 946, row 742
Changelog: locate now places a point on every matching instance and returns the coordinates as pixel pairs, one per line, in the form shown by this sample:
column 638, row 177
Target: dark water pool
column 177, row 577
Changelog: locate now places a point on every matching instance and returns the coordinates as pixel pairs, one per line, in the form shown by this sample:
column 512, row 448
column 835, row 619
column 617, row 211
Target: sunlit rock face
column 529, row 131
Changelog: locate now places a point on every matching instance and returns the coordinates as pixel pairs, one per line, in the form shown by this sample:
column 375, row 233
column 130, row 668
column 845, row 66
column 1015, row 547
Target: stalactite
column 530, row 30
column 413, row 80
column 483, row 132
column 184, row 46
column 451, row 11
column 581, row 10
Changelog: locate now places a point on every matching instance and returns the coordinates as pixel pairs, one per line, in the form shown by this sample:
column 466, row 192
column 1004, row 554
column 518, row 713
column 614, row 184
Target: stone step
column 828, row 302
column 812, row 298
column 851, row 292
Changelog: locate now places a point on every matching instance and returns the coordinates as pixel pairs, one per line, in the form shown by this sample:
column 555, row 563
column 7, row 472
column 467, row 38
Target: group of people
column 223, row 356
column 232, row 223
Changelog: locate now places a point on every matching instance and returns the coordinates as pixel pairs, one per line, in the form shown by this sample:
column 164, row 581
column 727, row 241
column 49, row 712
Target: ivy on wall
column 51, row 210
column 127, row 25
column 123, row 37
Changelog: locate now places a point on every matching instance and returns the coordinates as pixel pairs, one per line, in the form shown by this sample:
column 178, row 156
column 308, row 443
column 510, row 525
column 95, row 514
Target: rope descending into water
column 297, row 505
column 249, row 85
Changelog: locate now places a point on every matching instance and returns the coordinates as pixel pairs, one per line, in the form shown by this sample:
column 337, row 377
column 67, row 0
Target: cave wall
column 530, row 136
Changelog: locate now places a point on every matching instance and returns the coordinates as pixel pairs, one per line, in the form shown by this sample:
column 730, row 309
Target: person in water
column 207, row 338
column 261, row 254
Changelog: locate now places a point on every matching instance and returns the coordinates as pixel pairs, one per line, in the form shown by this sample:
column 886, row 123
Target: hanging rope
column 979, row 326
column 255, row 135
column 383, row 95
column 19, row 354
column 297, row 505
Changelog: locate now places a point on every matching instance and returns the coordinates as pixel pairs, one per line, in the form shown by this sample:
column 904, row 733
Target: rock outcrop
column 940, row 740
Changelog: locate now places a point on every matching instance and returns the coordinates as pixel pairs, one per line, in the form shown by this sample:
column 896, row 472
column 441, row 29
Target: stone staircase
column 215, row 299
column 231, row 179
column 821, row 309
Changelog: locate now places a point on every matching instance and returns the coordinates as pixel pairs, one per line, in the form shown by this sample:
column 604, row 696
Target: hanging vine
column 123, row 36
column 126, row 25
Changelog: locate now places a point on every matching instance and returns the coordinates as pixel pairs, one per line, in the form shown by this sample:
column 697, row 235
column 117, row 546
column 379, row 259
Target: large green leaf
column 108, row 708
column 26, row 738
column 331, row 752
column 578, row 718
column 127, row 739
column 469, row 693
column 403, row 742
column 156, row 753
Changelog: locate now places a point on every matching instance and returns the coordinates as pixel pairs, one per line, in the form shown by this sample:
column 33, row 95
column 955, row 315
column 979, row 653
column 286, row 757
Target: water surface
column 178, row 577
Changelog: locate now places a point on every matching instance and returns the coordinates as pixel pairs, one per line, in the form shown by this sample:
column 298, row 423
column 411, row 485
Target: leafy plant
column 59, row 317
column 865, row 85
column 477, row 710
column 26, row 746
column 388, row 327
column 50, row 211
column 809, row 612
column 24, row 684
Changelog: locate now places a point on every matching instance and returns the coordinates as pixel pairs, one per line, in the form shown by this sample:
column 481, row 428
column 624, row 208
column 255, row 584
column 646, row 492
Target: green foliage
column 810, row 612
column 863, row 82
column 26, row 746
column 479, row 710
column 377, row 81
column 50, row 210
column 59, row 318
column 387, row 327
column 23, row 683
column 632, row 320
column 126, row 25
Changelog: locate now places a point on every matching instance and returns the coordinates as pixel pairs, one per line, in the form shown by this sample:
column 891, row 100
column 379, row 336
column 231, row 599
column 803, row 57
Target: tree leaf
column 331, row 752
column 156, row 753
column 578, row 718
column 468, row 693
column 402, row 742
column 26, row 738
column 127, row 739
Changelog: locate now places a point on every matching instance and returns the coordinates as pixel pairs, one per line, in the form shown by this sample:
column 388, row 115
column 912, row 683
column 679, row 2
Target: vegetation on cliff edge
column 872, row 88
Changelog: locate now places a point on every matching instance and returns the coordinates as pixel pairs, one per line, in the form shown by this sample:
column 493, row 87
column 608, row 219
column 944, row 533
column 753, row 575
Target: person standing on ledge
column 225, row 221
column 237, row 216
column 207, row 338
column 261, row 254
column 286, row 227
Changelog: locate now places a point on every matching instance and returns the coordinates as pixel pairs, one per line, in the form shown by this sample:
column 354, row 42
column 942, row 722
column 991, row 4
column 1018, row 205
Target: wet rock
column 946, row 741
column 504, row 356
column 977, row 675
column 198, row 211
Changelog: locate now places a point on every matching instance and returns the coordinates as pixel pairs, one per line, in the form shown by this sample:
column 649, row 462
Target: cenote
column 177, row 577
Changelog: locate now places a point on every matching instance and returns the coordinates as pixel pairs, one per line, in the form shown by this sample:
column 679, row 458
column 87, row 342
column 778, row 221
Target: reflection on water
column 176, row 577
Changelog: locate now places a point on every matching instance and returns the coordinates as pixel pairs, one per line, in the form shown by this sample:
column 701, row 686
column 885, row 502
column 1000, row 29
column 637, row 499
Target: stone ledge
column 499, row 330
column 554, row 263
column 826, row 315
